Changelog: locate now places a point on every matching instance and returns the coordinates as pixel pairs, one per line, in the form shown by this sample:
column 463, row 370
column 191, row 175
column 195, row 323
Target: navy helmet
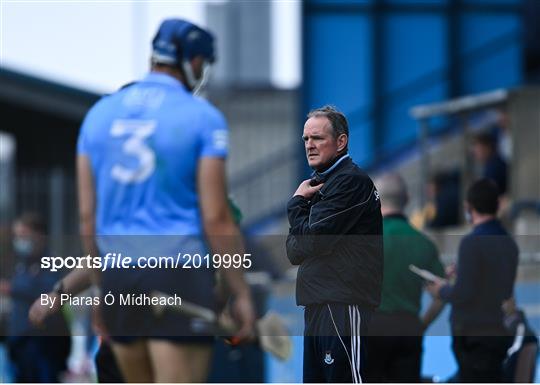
column 179, row 40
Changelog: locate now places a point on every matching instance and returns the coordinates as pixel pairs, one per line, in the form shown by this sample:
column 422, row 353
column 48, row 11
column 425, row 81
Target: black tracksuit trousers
column 335, row 343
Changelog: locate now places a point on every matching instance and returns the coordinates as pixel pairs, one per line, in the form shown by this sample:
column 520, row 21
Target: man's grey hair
column 337, row 119
column 393, row 191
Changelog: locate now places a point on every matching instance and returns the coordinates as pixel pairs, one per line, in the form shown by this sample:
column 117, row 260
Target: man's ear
column 342, row 142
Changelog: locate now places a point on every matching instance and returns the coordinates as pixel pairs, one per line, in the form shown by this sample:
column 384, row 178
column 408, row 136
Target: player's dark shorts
column 107, row 369
column 126, row 323
column 334, row 343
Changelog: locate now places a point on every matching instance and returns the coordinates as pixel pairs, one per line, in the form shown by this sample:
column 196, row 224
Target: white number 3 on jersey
column 137, row 131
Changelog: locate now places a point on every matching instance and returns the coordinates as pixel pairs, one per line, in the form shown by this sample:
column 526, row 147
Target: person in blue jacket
column 37, row 354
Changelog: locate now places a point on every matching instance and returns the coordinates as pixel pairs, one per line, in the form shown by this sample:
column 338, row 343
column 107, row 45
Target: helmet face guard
column 177, row 42
column 196, row 85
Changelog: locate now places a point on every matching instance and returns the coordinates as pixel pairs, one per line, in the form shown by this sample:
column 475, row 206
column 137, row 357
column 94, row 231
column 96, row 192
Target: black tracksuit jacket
column 336, row 238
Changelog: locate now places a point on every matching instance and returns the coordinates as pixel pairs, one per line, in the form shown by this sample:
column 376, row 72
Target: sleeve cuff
column 297, row 210
column 446, row 292
column 298, row 200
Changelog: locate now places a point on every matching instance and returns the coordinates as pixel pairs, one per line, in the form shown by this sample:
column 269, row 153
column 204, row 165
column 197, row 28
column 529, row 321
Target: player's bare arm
column 224, row 236
column 87, row 206
column 80, row 279
column 75, row 282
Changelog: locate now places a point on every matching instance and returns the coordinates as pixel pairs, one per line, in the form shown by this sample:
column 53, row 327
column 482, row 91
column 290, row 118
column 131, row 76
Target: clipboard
column 427, row 275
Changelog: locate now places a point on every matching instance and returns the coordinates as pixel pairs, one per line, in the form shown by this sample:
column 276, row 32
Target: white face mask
column 468, row 216
column 195, row 84
column 23, row 246
column 203, row 80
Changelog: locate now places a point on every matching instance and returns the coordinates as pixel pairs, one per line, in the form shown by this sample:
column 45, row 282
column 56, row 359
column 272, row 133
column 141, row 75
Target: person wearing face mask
column 485, row 276
column 37, row 354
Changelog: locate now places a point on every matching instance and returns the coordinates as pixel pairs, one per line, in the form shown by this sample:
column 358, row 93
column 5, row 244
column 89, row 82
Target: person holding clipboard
column 485, row 276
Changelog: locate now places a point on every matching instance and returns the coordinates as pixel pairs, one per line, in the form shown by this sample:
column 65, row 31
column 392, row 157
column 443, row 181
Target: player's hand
column 98, row 324
column 306, row 190
column 39, row 313
column 450, row 271
column 509, row 306
column 244, row 313
column 221, row 293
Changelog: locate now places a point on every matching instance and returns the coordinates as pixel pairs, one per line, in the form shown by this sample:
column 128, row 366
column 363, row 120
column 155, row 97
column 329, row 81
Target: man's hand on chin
column 306, row 190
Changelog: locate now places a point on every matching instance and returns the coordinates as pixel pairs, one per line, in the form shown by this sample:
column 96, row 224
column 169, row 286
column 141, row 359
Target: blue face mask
column 23, row 246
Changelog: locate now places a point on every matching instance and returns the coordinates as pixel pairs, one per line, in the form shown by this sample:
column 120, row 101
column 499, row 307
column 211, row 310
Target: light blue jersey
column 144, row 143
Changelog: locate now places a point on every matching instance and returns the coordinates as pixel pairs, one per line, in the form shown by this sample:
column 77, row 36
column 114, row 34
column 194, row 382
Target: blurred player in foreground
column 151, row 162
column 335, row 237
column 79, row 280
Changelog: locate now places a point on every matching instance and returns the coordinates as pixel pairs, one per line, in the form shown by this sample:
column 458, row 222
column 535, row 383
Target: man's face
column 321, row 146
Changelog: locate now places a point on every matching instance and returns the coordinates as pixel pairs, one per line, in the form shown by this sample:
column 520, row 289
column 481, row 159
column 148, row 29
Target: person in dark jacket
column 486, row 272
column 335, row 237
column 37, row 354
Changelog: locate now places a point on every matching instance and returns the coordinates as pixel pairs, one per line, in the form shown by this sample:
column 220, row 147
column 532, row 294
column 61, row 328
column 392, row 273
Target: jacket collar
column 323, row 176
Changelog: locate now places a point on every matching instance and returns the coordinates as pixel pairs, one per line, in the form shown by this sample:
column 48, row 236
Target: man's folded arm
column 294, row 252
column 317, row 229
column 297, row 212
